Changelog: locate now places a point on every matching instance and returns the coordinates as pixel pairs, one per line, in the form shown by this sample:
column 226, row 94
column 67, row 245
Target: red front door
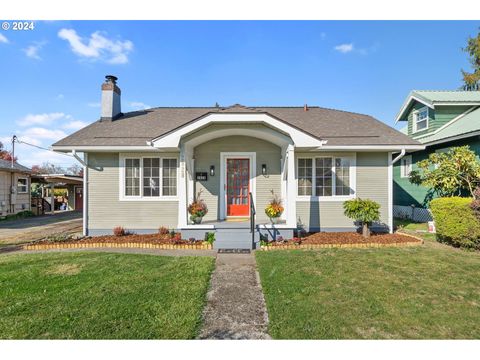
column 238, row 187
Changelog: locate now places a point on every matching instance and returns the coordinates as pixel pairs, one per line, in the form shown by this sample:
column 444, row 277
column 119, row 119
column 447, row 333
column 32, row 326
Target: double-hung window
column 327, row 176
column 405, row 166
column 149, row 178
column 420, row 119
column 22, row 185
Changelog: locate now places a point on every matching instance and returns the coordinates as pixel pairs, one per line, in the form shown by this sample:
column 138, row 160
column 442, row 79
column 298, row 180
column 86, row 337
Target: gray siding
column 22, row 201
column 106, row 211
column 371, row 183
column 208, row 154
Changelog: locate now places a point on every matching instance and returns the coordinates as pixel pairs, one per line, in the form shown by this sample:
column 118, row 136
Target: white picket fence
column 416, row 214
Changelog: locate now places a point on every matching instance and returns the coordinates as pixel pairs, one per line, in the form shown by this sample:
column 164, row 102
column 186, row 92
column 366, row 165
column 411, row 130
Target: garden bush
column 455, row 222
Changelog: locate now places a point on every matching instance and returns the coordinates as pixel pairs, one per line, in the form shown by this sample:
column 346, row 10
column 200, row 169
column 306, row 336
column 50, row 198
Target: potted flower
column 197, row 209
column 274, row 208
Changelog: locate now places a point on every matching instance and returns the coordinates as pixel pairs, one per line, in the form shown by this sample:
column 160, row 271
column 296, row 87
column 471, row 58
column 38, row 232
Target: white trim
column 352, row 178
column 105, row 148
column 407, row 102
column 415, row 121
column 121, row 171
column 447, row 124
column 85, row 193
column 291, row 188
column 390, row 192
column 457, row 103
column 404, row 167
column 172, row 139
column 371, row 147
column 26, row 185
column 252, row 156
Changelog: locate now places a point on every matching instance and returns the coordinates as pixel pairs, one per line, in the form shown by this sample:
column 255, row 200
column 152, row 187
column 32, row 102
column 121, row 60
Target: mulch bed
column 134, row 238
column 355, row 238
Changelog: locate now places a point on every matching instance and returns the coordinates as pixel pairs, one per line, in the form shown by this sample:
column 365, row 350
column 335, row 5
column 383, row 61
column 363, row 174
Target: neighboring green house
column 439, row 120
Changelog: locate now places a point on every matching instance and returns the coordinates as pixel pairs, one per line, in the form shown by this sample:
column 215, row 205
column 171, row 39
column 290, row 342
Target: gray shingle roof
column 7, row 165
column 338, row 127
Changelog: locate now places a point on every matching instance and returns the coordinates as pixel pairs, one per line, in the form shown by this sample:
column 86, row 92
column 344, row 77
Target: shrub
column 163, row 231
column 455, row 222
column 365, row 211
column 210, row 237
column 120, row 231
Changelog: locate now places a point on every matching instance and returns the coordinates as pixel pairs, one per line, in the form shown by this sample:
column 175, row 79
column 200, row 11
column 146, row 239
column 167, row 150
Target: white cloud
column 344, row 48
column 98, row 46
column 75, row 125
column 137, row 105
column 41, row 119
column 3, row 39
column 94, row 104
column 39, row 133
column 32, row 50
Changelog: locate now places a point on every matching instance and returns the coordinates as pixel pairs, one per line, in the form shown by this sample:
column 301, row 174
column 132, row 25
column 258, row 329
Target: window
column 150, row 177
column 305, row 177
column 420, row 119
column 132, row 177
column 405, row 166
column 329, row 177
column 22, row 185
column 169, row 177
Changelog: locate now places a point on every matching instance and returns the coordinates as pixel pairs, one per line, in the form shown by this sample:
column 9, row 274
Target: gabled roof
column 463, row 126
column 432, row 98
column 7, row 165
column 337, row 127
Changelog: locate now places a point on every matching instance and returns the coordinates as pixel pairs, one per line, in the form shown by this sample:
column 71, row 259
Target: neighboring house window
column 420, row 119
column 22, row 185
column 132, row 177
column 305, row 175
column 405, row 166
column 329, row 177
column 150, row 177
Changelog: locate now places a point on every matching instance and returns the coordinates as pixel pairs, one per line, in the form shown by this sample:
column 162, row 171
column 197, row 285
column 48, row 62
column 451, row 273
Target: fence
column 414, row 213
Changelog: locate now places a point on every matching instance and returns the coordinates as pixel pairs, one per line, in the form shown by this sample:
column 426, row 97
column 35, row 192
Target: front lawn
column 90, row 295
column 425, row 292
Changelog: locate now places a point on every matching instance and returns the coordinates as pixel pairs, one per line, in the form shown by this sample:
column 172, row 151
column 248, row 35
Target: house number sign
column 201, row 176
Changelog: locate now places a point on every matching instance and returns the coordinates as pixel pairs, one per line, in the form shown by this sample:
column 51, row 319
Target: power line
column 40, row 147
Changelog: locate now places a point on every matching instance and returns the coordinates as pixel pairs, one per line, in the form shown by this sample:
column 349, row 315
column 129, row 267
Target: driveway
column 14, row 232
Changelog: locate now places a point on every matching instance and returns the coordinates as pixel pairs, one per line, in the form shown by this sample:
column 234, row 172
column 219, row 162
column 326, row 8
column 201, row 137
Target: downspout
column 79, row 159
column 401, row 155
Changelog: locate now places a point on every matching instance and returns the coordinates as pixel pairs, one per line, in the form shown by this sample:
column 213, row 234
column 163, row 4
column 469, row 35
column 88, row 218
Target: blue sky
column 51, row 76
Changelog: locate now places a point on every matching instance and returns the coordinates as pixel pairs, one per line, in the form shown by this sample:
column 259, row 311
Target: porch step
column 239, row 238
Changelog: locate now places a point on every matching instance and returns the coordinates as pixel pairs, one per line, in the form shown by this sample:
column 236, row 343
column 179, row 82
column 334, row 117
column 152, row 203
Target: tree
column 449, row 174
column 365, row 211
column 471, row 80
column 6, row 155
column 75, row 169
column 47, row 168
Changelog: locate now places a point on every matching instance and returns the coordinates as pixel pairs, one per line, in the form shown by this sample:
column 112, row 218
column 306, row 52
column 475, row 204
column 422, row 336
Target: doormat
column 234, row 251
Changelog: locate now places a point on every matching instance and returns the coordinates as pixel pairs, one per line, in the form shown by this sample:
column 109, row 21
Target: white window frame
column 415, row 119
column 404, row 167
column 352, row 178
column 26, row 185
column 123, row 197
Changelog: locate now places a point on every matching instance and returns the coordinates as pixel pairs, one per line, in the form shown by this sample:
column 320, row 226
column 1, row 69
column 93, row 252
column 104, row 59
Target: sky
column 50, row 76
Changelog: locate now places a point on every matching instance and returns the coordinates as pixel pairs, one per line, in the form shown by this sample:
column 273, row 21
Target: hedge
column 455, row 222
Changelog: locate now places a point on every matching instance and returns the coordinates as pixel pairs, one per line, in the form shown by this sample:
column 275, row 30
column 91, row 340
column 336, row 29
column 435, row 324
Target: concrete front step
column 235, row 239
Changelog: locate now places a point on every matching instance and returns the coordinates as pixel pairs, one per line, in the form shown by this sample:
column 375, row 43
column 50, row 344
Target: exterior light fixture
column 264, row 169
column 212, row 170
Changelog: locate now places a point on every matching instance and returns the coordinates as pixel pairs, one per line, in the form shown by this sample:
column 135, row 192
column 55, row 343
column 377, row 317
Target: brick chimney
column 111, row 108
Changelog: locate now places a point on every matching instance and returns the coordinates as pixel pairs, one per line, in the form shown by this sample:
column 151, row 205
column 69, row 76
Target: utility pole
column 14, row 138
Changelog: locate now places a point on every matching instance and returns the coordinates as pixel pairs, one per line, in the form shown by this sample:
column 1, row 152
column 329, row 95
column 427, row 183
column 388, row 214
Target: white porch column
column 283, row 179
column 182, row 190
column 190, row 162
column 291, row 188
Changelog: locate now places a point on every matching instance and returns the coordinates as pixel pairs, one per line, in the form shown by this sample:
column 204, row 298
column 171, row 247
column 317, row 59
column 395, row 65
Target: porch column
column 182, row 190
column 283, row 179
column 291, row 188
column 52, row 197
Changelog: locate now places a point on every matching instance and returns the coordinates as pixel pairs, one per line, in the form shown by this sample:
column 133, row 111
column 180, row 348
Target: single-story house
column 440, row 120
column 143, row 168
column 14, row 188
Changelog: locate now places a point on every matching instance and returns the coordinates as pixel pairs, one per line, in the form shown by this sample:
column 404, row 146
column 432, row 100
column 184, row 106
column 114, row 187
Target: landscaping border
column 117, row 245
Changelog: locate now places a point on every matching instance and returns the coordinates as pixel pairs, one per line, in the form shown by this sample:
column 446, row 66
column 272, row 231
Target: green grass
column 427, row 292
column 102, row 296
column 413, row 228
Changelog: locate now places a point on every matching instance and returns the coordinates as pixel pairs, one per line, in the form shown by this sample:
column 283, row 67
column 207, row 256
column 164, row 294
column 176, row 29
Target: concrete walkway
column 235, row 304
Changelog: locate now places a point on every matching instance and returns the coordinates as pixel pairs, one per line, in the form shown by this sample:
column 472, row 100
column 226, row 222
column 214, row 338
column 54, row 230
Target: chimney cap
column 111, row 78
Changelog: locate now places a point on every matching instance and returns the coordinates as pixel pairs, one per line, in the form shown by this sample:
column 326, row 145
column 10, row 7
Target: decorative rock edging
column 116, row 245
column 331, row 246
